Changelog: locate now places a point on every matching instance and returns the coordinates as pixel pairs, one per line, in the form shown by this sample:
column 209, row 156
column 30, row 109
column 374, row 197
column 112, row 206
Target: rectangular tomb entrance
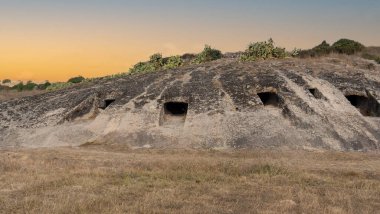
column 106, row 103
column 368, row 106
column 269, row 99
column 174, row 113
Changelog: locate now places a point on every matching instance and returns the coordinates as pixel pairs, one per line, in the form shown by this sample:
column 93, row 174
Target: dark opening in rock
column 174, row 113
column 107, row 103
column 368, row 106
column 269, row 98
column 316, row 93
column 176, row 108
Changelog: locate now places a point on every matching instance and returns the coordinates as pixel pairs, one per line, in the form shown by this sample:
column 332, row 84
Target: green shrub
column 30, row 86
column 262, row 50
column 112, row 76
column 25, row 87
column 142, row 67
column 59, row 85
column 347, row 46
column 76, row 80
column 157, row 57
column 295, row 52
column 116, row 75
column 306, row 53
column 258, row 50
column 43, row 86
column 188, row 57
column 279, row 53
column 323, row 49
column 156, row 60
column 208, row 54
column 6, row 81
column 342, row 46
column 19, row 86
column 173, row 62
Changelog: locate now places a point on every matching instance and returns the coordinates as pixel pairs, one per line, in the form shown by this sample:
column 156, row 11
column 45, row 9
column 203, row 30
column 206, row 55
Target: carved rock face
column 292, row 103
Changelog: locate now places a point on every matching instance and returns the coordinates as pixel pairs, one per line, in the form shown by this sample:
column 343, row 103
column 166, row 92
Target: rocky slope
column 326, row 103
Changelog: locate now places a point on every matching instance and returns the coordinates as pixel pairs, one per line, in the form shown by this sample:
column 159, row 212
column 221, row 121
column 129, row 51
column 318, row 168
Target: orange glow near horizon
column 57, row 40
column 59, row 60
column 63, row 65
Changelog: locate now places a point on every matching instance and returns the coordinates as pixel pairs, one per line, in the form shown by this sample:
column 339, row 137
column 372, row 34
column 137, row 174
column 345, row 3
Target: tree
column 6, row 81
column 347, row 46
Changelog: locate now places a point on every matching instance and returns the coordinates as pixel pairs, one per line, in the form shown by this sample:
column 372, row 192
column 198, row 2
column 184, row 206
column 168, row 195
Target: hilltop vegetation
column 208, row 54
column 255, row 51
column 262, row 51
column 157, row 62
column 31, row 86
column 342, row 46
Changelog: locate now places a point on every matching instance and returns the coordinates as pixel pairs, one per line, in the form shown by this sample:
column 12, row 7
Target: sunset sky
column 54, row 40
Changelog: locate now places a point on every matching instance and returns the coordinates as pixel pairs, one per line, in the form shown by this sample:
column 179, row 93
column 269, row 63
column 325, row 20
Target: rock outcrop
column 326, row 103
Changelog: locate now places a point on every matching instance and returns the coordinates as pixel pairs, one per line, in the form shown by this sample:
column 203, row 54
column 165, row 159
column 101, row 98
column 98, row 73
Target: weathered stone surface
column 224, row 109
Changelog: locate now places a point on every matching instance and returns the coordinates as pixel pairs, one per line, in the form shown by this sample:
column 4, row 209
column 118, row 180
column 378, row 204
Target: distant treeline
column 30, row 85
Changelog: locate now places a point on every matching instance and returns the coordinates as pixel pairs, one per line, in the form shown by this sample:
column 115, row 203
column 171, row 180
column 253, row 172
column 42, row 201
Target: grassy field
column 117, row 180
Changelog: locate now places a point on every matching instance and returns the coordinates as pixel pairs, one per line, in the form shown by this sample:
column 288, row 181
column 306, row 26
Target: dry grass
column 96, row 180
